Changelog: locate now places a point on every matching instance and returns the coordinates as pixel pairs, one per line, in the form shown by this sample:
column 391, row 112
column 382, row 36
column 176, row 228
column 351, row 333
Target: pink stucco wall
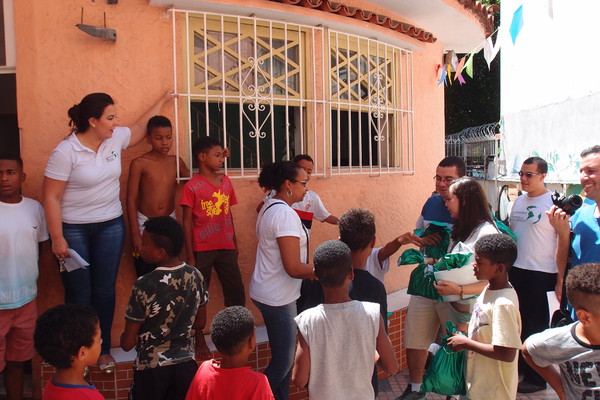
column 58, row 64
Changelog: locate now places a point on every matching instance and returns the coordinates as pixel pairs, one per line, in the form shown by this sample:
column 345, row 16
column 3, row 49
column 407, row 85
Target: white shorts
column 142, row 218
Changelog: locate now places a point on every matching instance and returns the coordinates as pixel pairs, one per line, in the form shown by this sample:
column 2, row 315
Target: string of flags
column 490, row 50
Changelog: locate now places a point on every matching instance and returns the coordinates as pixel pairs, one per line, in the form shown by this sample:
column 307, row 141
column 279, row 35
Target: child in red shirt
column 232, row 332
column 207, row 222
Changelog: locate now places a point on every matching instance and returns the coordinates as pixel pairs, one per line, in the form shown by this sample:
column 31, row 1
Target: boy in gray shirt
column 574, row 348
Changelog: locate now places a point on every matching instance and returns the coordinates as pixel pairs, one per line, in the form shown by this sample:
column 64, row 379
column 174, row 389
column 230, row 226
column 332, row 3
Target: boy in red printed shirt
column 207, row 221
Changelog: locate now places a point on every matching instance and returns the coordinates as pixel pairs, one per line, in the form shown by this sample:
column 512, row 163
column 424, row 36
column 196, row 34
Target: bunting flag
column 516, row 24
column 488, row 48
column 442, row 76
column 449, row 67
column 459, row 67
column 469, row 64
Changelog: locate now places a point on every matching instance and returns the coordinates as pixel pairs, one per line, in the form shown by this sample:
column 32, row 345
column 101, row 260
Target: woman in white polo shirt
column 82, row 206
column 281, row 264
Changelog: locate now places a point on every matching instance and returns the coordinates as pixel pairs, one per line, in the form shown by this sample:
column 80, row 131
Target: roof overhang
column 461, row 25
column 458, row 26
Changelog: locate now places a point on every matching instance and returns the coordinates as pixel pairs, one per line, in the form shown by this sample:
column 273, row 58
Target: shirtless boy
column 152, row 183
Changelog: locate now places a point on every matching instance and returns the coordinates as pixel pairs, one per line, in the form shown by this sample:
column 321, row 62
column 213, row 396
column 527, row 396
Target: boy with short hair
column 311, row 207
column 575, row 348
column 165, row 307
column 151, row 185
column 68, row 338
column 23, row 226
column 495, row 327
column 338, row 340
column 232, row 332
column 207, row 221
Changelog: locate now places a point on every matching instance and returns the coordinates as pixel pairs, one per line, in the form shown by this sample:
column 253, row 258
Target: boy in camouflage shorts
column 165, row 310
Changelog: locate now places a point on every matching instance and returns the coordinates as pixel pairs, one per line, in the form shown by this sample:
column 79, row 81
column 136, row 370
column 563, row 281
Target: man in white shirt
column 535, row 271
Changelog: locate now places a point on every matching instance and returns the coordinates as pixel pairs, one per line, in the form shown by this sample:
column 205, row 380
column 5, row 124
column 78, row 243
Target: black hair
column 62, row 330
column 590, row 150
column 301, row 157
column 333, row 261
column 203, row 144
column 272, row 176
column 230, row 328
column 166, row 233
column 498, row 248
column 357, row 228
column 12, row 157
column 453, row 161
column 91, row 106
column 158, row 121
column 473, row 207
column 540, row 163
column 583, row 287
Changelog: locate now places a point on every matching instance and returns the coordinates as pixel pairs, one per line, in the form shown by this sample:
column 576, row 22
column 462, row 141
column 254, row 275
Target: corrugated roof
column 485, row 15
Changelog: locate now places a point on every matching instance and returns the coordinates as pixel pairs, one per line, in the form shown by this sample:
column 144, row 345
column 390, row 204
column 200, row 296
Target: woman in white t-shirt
column 468, row 205
column 281, row 264
column 82, row 206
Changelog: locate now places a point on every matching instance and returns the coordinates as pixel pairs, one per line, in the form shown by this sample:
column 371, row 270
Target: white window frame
column 314, row 136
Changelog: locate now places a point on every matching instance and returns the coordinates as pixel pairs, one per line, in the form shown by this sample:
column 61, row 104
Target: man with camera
column 585, row 222
column 535, row 271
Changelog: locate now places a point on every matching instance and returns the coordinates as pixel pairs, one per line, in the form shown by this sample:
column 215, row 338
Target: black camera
column 569, row 204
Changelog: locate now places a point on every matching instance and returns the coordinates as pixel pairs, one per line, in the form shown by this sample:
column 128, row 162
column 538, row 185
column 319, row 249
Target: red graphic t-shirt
column 213, row 227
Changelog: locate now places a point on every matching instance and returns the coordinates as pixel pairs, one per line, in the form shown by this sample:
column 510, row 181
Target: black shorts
column 170, row 382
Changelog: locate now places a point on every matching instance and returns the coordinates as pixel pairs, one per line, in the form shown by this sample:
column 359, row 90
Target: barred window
column 270, row 90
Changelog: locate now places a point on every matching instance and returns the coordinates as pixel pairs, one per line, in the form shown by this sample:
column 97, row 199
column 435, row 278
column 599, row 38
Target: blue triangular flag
column 516, row 24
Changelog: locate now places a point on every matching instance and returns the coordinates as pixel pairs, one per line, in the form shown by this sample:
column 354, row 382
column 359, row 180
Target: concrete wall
column 58, row 64
column 550, row 92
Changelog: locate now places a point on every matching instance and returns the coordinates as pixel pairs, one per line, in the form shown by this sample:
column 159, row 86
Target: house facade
column 354, row 84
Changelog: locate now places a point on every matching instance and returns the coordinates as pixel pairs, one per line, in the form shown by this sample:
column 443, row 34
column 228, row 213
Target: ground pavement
column 392, row 387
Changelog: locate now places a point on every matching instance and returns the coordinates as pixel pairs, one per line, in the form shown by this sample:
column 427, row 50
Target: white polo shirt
column 92, row 191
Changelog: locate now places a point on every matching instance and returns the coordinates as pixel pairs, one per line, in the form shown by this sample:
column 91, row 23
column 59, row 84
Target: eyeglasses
column 447, row 179
column 529, row 174
column 302, row 182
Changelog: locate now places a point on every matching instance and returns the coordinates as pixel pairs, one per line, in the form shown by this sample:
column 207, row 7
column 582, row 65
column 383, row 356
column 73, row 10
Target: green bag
column 453, row 260
column 421, row 282
column 422, row 277
column 441, row 248
column 446, row 373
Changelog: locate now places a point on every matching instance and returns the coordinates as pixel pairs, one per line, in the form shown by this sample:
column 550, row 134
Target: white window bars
column 269, row 90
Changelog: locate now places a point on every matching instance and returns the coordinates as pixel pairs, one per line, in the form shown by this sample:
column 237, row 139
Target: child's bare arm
column 184, row 171
column 187, row 232
column 301, row 370
column 389, row 249
column 332, row 219
column 460, row 342
column 133, row 187
column 549, row 373
column 387, row 356
column 129, row 335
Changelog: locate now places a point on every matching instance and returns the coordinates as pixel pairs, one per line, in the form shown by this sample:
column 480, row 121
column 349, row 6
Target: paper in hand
column 75, row 261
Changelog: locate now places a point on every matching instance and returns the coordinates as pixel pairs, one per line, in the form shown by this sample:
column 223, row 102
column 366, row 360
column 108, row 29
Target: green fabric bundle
column 436, row 251
column 446, row 373
column 422, row 277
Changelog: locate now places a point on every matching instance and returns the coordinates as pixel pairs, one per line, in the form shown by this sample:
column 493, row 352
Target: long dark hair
column 473, row 208
column 91, row 106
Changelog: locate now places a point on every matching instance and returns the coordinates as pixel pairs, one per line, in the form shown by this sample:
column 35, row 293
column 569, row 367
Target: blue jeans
column 281, row 329
column 100, row 244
